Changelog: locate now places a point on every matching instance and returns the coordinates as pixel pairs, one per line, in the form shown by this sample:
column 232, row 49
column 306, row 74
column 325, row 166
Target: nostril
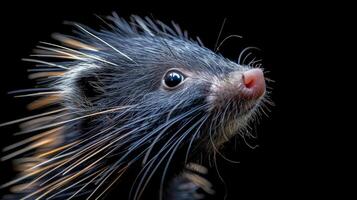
column 249, row 81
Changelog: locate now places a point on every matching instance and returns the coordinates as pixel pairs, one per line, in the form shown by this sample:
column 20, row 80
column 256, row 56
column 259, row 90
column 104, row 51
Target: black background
column 295, row 157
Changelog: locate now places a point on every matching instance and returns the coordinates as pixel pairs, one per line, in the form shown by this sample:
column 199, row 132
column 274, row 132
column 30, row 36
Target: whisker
column 32, row 117
column 243, row 51
column 151, row 161
column 138, row 194
column 201, row 122
column 194, row 135
column 74, row 184
column 85, row 185
column 75, row 119
column 225, row 39
column 219, row 34
column 121, row 172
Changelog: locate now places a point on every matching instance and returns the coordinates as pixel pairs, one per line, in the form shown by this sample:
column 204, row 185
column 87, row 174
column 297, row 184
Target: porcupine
column 139, row 102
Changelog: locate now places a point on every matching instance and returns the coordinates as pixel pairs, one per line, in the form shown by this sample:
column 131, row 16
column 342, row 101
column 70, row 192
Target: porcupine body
column 138, row 105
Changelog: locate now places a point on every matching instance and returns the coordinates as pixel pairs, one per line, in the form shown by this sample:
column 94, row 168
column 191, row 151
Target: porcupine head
column 129, row 104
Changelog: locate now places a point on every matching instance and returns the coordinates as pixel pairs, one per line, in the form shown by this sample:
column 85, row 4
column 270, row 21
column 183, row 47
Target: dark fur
column 165, row 128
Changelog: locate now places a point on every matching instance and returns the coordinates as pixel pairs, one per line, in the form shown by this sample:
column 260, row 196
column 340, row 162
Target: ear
column 89, row 88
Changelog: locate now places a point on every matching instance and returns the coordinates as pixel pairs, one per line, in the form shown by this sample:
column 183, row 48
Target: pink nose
column 254, row 83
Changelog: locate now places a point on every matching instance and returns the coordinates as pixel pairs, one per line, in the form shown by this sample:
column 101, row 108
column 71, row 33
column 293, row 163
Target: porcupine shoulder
column 123, row 107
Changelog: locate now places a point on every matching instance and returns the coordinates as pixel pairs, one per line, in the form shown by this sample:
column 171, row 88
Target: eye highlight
column 173, row 78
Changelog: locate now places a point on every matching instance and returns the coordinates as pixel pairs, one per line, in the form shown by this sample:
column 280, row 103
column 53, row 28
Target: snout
column 253, row 84
column 239, row 88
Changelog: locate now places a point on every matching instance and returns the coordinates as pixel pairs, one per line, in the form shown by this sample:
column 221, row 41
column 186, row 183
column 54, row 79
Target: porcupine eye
column 173, row 78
